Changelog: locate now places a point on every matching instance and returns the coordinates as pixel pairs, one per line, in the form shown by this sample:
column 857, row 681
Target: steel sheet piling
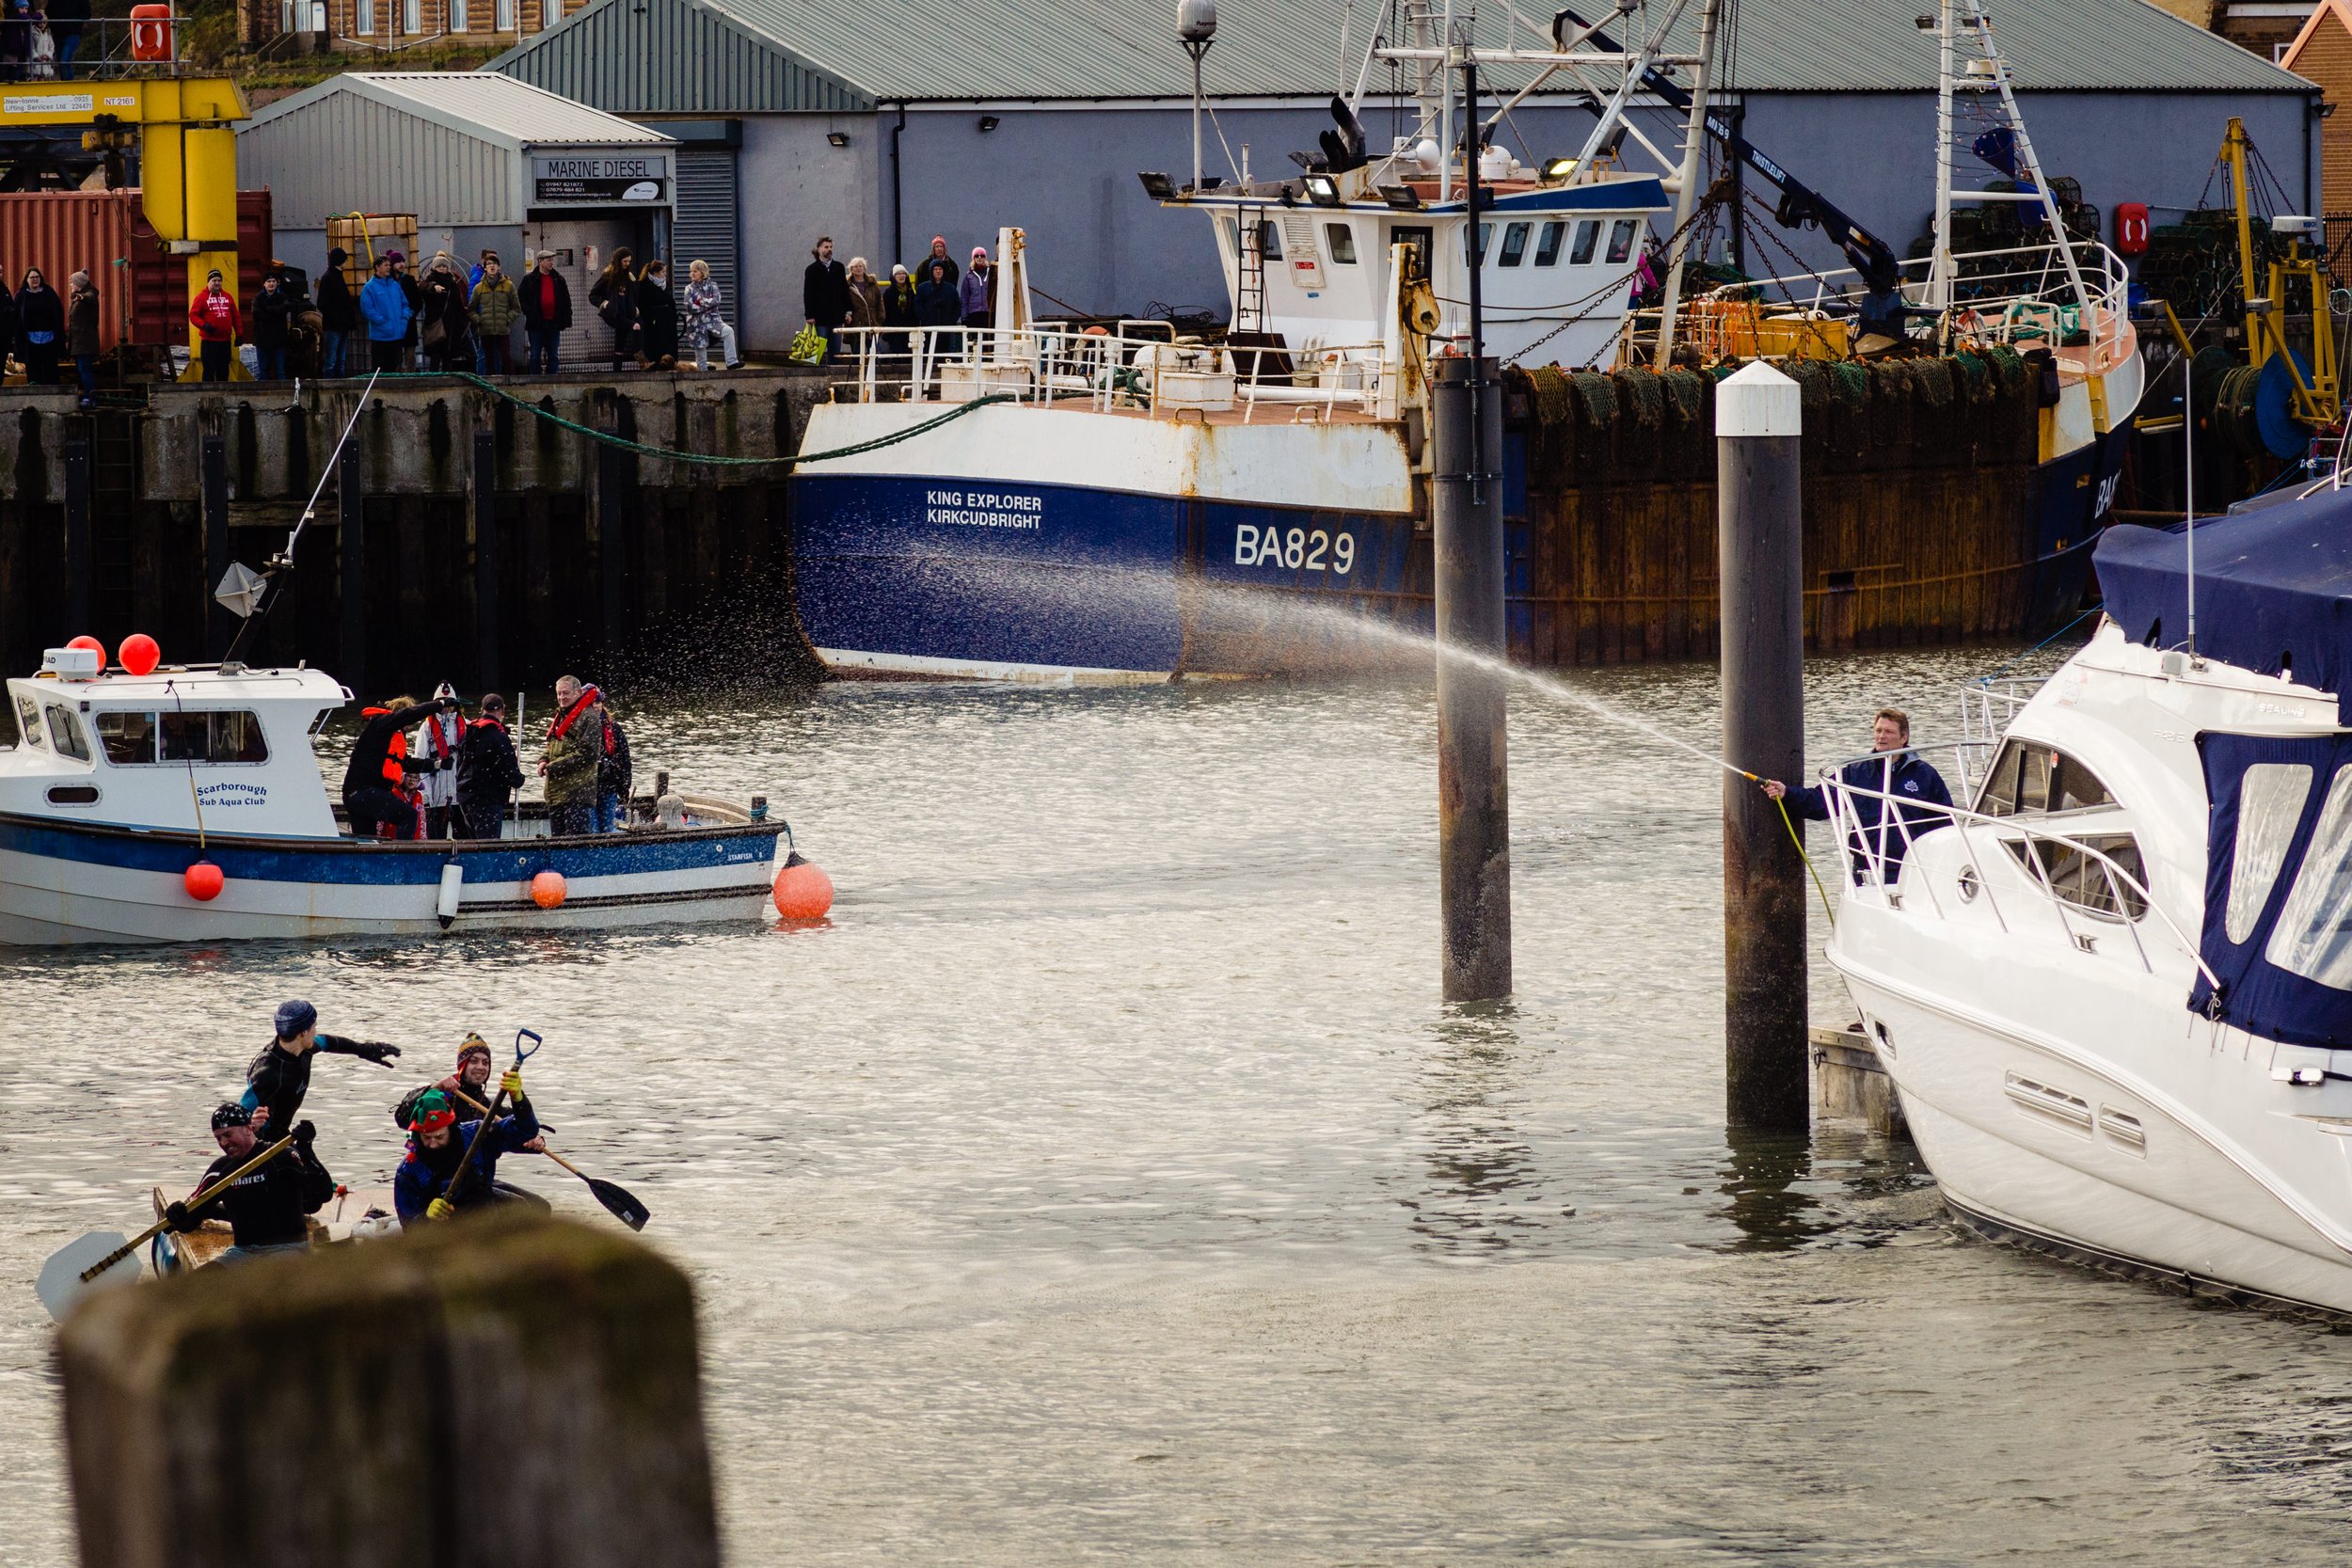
column 1761, row 540
column 1474, row 798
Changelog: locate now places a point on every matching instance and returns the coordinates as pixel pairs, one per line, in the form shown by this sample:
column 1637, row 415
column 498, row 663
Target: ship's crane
column 183, row 129
column 1800, row 203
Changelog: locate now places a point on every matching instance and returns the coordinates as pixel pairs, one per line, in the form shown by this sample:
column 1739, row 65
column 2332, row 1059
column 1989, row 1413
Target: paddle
column 74, row 1268
column 619, row 1201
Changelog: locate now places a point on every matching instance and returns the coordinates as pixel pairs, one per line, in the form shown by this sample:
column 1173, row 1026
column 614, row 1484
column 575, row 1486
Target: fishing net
column 1597, row 396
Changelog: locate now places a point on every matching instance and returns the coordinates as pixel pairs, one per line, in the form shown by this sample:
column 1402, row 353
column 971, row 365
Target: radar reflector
column 240, row 591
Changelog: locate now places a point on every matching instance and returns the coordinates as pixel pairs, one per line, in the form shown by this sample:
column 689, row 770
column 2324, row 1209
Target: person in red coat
column 214, row 314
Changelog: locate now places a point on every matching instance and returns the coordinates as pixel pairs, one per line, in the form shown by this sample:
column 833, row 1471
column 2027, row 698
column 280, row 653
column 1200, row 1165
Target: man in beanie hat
column 441, row 1172
column 214, row 314
column 280, row 1075
column 266, row 1206
column 472, row 1077
column 488, row 772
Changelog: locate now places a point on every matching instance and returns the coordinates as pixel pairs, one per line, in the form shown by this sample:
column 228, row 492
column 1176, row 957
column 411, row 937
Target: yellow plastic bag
column 808, row 346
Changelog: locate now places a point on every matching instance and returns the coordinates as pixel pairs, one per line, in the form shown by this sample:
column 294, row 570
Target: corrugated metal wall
column 706, row 226
column 347, row 153
column 674, row 59
column 142, row 293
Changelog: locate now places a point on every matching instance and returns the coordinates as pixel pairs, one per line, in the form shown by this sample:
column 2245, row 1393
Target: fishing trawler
column 2115, row 990
column 1114, row 503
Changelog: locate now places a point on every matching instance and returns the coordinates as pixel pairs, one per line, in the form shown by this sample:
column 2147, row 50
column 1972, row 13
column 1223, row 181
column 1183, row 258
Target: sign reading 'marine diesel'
column 600, row 178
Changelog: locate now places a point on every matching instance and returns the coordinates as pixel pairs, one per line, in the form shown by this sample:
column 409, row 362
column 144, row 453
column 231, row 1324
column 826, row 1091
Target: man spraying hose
column 1893, row 775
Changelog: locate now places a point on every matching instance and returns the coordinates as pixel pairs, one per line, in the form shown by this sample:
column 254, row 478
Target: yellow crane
column 183, row 129
column 2265, row 294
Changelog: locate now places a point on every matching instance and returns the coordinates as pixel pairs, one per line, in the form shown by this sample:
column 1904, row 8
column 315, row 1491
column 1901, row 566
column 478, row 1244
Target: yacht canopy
column 2274, row 588
column 2278, row 931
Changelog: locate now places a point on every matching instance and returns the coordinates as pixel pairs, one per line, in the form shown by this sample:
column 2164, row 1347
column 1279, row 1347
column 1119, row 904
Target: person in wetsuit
column 266, row 1208
column 438, row 1178
column 280, row 1075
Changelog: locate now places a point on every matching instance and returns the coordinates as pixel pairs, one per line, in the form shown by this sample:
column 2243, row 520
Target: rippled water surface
column 1105, row 1182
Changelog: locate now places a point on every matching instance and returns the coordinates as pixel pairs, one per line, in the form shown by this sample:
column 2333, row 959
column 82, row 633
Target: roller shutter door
column 707, row 224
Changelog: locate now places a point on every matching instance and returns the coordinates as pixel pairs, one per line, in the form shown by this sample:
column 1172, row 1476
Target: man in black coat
column 379, row 758
column 825, row 294
column 487, row 773
column 547, row 312
column 339, row 314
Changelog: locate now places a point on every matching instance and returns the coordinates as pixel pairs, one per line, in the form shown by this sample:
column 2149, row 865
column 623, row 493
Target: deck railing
column 1136, row 366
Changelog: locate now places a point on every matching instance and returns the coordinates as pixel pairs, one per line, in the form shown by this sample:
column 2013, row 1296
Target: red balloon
column 802, row 891
column 139, row 655
column 548, row 889
column 204, row 881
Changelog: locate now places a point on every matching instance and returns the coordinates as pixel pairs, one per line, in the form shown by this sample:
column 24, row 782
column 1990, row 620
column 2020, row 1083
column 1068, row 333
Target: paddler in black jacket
column 280, row 1075
column 379, row 760
column 266, row 1208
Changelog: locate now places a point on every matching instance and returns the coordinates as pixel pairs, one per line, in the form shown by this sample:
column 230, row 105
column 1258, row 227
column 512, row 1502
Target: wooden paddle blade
column 61, row 1284
column 624, row 1206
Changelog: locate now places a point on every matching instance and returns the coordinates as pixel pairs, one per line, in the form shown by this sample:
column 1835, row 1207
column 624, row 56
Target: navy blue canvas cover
column 2255, row 994
column 2274, row 588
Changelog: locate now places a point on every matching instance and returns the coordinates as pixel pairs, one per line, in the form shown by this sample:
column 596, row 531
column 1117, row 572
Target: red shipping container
column 142, row 290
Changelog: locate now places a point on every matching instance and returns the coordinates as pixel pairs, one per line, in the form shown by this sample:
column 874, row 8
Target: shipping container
column 142, row 290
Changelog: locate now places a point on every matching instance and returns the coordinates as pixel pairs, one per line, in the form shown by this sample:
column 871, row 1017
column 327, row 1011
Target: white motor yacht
column 2115, row 988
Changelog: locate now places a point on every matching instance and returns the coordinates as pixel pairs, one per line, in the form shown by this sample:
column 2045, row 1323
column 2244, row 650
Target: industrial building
column 886, row 122
column 484, row 162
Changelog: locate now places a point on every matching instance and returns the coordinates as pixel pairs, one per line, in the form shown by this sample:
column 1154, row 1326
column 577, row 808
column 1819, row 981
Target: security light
column 838, row 138
column 988, row 123
column 1323, row 190
column 1558, row 169
column 1159, row 187
column 1400, row 198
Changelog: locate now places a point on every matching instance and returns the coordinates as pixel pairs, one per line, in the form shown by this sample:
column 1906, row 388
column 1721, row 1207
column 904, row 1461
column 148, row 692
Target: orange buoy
column 548, row 889
column 203, row 882
column 87, row 640
column 138, row 653
column 803, row 890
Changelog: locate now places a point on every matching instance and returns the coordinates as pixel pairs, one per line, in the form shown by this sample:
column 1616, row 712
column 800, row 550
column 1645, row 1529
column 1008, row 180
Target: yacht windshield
column 2314, row 934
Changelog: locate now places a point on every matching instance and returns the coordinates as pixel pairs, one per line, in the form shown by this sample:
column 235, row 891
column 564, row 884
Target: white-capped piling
column 1758, row 420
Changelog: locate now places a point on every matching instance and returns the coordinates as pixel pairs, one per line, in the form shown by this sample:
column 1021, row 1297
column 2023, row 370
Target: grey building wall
column 795, row 187
column 347, row 153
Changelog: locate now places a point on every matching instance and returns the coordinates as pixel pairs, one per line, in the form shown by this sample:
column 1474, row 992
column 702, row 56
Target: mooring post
column 611, row 541
column 328, row 1408
column 1761, row 540
column 77, row 540
column 485, row 557
column 351, row 542
column 220, row 626
column 1473, row 797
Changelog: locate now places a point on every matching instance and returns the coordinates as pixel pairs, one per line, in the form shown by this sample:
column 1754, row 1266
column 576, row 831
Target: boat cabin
column 187, row 749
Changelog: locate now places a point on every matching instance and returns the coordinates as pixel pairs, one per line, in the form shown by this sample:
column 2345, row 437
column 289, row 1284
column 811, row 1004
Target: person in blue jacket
column 438, row 1178
column 384, row 307
column 1893, row 771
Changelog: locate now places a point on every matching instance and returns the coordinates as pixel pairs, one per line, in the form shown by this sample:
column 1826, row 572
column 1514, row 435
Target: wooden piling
column 503, row 1391
column 219, row 625
column 77, row 535
column 351, row 542
column 1473, row 794
column 1758, row 424
column 486, row 559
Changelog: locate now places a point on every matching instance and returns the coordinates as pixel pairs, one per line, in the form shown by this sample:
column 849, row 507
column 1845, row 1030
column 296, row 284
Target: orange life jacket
column 395, row 751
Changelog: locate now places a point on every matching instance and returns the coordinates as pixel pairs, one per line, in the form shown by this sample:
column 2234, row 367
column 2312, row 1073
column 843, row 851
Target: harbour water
column 1105, row 1181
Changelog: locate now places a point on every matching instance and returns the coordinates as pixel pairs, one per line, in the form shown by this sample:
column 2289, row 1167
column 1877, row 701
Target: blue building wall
column 1067, row 176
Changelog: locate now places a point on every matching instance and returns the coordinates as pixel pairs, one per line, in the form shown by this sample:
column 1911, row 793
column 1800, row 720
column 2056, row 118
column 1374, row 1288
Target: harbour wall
column 493, row 543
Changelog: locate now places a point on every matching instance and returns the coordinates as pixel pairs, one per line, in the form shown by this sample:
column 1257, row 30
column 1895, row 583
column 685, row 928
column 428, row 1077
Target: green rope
column 668, row 455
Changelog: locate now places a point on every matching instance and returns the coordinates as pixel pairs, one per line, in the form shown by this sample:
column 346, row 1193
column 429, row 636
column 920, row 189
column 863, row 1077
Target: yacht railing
column 1873, row 857
column 2019, row 297
column 1134, row 366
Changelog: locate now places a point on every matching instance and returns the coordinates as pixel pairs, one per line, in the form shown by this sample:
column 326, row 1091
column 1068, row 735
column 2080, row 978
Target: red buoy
column 803, row 890
column 138, row 653
column 548, row 889
column 203, row 882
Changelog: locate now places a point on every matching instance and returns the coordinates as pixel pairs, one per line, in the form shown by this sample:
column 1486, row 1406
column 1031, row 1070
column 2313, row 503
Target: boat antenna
column 2188, row 492
column 252, row 596
column 1196, row 29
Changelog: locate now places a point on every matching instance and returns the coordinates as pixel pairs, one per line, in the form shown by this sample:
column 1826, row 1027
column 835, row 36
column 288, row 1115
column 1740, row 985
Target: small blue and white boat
column 122, row 789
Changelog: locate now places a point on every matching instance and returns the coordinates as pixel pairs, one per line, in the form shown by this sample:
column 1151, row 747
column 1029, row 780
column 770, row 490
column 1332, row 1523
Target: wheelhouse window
column 2107, row 889
column 1514, row 243
column 1587, row 238
column 2269, row 803
column 1486, row 232
column 1341, row 239
column 1621, row 240
column 65, row 733
column 1269, row 240
column 1548, row 243
column 2314, row 937
column 28, row 723
column 2029, row 779
column 132, row 739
